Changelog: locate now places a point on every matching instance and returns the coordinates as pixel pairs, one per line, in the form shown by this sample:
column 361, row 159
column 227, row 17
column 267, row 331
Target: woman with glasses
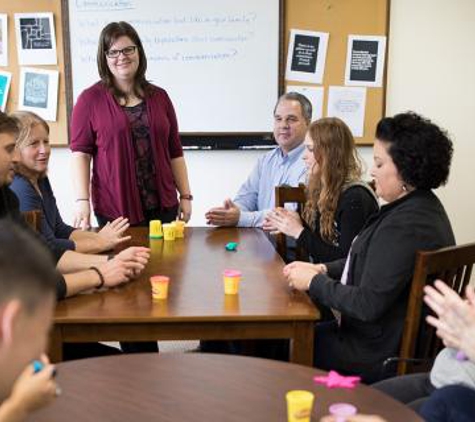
column 127, row 127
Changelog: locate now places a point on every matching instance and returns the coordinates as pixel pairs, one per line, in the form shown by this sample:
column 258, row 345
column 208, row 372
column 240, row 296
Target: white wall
column 431, row 70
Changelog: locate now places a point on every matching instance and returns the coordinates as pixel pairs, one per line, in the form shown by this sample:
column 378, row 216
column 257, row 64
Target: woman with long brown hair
column 338, row 202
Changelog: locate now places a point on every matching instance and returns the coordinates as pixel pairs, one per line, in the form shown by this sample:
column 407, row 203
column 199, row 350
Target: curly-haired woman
column 369, row 290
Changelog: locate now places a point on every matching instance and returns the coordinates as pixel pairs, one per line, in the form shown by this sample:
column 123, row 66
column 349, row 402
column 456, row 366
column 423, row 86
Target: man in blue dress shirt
column 281, row 166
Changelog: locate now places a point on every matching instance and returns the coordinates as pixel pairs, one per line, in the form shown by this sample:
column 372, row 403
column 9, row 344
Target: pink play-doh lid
column 342, row 409
column 232, row 273
column 159, row 279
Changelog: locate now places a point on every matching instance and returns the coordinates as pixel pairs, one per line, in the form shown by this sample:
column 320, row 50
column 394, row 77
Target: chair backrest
column 285, row 195
column 33, row 218
column 453, row 265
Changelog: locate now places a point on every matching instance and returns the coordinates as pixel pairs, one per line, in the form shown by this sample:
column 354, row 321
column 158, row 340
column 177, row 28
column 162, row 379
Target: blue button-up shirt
column 257, row 195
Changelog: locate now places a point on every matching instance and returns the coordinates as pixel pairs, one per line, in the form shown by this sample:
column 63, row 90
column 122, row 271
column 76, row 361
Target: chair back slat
column 286, row 195
column 454, row 266
column 33, row 218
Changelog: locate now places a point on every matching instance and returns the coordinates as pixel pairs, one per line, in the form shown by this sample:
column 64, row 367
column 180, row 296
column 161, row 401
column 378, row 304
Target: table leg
column 301, row 351
column 55, row 351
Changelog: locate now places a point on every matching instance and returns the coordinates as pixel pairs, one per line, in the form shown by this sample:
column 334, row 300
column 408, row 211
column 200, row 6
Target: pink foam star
column 335, row 380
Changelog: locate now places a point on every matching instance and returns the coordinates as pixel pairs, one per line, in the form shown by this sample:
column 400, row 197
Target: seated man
column 281, row 166
column 27, row 299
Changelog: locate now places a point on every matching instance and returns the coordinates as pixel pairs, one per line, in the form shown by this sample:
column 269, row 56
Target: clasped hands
column 300, row 274
column 281, row 220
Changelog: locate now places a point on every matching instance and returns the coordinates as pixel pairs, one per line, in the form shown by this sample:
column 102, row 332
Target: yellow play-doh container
column 155, row 231
column 159, row 286
column 168, row 231
column 231, row 279
column 179, row 229
column 299, row 405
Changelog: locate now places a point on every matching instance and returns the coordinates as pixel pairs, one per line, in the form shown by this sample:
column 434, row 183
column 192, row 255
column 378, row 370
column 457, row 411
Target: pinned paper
column 335, row 380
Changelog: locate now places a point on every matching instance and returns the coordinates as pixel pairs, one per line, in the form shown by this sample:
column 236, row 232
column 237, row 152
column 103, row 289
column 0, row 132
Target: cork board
column 341, row 18
column 58, row 129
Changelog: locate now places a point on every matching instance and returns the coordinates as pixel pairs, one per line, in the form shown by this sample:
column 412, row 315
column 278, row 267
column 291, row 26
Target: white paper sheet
column 315, row 96
column 348, row 103
column 3, row 39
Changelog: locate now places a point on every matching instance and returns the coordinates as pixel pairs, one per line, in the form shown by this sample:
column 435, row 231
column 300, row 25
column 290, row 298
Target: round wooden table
column 197, row 387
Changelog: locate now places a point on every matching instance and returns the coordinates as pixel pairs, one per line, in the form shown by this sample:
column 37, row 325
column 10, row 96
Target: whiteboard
column 217, row 59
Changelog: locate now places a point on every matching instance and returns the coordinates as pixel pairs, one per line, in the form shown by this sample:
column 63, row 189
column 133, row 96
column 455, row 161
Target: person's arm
column 126, row 265
column 81, row 163
column 247, row 199
column 29, row 200
column 384, row 276
column 180, row 174
column 352, row 213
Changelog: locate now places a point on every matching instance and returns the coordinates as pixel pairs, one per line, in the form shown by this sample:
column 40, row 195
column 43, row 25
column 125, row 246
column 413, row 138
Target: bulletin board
column 341, row 18
column 337, row 17
column 59, row 128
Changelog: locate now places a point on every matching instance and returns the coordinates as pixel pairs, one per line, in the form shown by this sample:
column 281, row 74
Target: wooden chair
column 420, row 343
column 286, row 195
column 33, row 218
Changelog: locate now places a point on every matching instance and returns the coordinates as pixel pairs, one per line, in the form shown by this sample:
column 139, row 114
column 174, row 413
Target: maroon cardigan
column 100, row 127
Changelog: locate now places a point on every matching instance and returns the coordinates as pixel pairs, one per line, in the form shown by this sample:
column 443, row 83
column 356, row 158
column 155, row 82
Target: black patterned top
column 145, row 170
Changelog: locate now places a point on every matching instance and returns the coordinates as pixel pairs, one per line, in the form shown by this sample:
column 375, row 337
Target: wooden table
column 196, row 307
column 197, row 387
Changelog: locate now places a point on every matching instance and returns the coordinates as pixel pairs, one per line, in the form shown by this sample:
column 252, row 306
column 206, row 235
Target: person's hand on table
column 184, row 210
column 228, row 215
column 283, row 221
column 300, row 274
column 455, row 321
column 112, row 234
column 82, row 215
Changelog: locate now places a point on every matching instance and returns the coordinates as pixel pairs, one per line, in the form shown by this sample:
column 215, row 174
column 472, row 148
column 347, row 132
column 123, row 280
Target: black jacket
column 355, row 205
column 373, row 302
column 10, row 208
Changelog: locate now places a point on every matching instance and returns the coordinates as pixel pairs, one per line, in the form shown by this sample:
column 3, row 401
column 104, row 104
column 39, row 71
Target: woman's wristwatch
column 187, row 196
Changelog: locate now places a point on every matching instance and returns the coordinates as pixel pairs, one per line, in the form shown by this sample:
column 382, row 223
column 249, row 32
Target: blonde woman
column 338, row 201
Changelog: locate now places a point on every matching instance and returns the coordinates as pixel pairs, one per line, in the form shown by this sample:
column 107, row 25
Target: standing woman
column 128, row 127
column 338, row 202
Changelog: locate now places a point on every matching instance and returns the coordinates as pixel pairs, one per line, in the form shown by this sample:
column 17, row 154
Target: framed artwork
column 39, row 92
column 36, row 39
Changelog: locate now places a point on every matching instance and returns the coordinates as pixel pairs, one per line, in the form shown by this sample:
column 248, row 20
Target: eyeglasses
column 127, row 51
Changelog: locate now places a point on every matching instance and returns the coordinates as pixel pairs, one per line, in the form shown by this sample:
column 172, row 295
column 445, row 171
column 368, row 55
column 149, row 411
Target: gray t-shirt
column 447, row 370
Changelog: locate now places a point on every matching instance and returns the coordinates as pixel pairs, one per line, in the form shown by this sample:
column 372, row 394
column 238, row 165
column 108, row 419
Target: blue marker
column 37, row 366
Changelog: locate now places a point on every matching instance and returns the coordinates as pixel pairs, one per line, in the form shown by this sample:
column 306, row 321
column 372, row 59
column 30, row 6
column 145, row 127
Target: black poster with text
column 364, row 61
column 304, row 56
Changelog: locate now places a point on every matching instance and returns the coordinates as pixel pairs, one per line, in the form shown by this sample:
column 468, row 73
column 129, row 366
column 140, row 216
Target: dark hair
column 9, row 124
column 304, row 102
column 421, row 151
column 109, row 35
column 27, row 272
